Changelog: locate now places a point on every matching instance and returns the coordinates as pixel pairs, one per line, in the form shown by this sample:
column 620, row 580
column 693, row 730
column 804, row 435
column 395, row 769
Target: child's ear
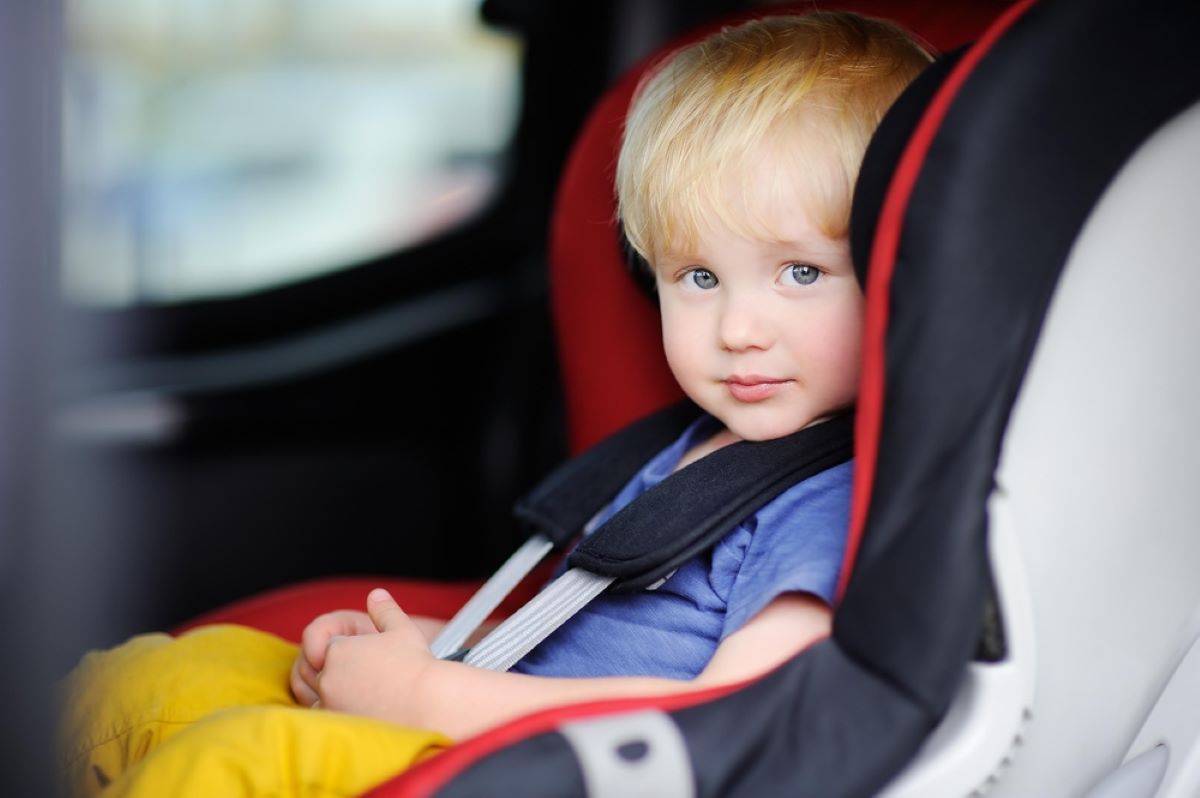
column 639, row 267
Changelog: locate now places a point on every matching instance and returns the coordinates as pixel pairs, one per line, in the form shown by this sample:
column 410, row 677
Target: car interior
column 1018, row 613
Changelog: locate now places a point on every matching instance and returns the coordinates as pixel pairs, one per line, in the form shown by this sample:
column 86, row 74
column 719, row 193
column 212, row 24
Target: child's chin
column 766, row 430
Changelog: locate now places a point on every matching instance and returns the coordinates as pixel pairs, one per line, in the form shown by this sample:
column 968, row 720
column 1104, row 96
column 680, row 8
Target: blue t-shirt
column 793, row 544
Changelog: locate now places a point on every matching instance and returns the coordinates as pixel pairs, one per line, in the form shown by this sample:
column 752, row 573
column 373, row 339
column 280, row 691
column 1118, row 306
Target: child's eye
column 700, row 278
column 801, row 274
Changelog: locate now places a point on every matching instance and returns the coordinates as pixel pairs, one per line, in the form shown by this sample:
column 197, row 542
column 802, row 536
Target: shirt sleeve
column 794, row 544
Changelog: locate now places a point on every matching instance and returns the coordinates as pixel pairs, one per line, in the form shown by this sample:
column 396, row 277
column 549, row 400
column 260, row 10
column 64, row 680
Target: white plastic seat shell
column 1095, row 518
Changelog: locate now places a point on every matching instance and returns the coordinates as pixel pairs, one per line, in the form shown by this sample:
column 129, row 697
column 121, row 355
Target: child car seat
column 1032, row 174
column 993, row 483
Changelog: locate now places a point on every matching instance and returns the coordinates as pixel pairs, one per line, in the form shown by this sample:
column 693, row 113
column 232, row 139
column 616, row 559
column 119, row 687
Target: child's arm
column 393, row 676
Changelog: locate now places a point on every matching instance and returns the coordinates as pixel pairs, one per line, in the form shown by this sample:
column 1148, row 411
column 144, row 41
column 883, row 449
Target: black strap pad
column 696, row 506
column 571, row 494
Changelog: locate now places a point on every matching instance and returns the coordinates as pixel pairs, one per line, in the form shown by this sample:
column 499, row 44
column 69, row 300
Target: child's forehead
column 796, row 237
column 775, row 208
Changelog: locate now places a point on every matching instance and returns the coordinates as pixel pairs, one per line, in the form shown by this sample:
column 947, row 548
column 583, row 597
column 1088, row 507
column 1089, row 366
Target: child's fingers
column 384, row 611
column 305, row 671
column 316, row 636
column 303, row 684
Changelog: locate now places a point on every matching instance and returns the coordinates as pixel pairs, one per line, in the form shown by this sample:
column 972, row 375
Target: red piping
column 426, row 778
column 869, row 417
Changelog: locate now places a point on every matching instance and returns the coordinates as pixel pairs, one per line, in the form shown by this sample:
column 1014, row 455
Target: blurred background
column 220, row 147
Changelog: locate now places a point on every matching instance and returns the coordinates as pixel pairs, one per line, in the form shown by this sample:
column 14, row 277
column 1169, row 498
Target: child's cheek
column 682, row 342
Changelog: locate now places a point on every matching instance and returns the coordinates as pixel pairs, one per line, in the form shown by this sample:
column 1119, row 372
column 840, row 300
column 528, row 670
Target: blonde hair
column 805, row 91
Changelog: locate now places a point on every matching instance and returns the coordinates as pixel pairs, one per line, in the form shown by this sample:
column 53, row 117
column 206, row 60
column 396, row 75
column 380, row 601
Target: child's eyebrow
column 675, row 260
column 797, row 250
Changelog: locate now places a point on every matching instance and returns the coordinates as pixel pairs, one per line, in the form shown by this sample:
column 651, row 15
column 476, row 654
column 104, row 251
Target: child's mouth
column 753, row 388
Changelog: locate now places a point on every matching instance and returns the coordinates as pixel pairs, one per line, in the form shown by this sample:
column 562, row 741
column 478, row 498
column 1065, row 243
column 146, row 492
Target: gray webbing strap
column 533, row 623
column 488, row 597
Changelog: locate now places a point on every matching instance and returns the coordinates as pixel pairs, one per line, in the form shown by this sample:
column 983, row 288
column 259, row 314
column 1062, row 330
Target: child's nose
column 742, row 326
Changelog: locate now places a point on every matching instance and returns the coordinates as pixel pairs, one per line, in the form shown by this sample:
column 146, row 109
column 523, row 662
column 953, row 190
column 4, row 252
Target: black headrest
column 883, row 154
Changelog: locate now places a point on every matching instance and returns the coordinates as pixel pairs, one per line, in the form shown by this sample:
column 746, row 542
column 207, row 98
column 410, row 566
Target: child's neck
column 722, row 438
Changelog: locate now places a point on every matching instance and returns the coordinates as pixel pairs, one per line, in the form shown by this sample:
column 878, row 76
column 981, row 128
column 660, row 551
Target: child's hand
column 376, row 674
column 313, row 643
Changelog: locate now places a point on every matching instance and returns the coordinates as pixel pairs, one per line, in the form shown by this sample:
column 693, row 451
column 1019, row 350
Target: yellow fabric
column 210, row 714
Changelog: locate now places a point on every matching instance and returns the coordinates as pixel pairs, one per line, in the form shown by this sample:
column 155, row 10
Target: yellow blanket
column 210, row 713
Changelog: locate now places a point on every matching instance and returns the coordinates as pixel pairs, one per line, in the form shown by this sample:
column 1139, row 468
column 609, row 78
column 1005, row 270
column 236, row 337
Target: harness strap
column 560, row 505
column 681, row 516
column 533, row 623
column 455, row 633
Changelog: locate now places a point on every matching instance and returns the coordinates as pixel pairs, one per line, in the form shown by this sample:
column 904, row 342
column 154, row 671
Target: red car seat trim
column 879, row 275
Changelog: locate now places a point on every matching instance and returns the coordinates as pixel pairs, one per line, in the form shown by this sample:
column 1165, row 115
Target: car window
column 219, row 147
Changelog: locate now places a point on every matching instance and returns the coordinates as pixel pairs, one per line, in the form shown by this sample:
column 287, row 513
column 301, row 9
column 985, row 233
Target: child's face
column 763, row 334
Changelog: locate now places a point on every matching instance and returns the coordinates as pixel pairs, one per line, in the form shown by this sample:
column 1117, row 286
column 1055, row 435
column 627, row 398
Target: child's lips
column 754, row 387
